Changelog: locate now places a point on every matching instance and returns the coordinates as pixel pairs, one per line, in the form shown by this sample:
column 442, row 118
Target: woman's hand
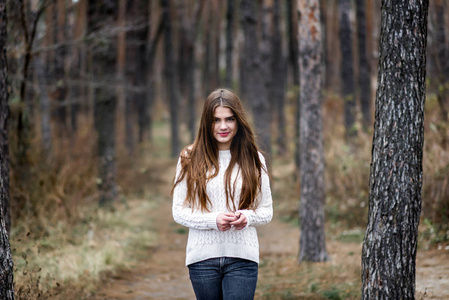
column 240, row 222
column 224, row 221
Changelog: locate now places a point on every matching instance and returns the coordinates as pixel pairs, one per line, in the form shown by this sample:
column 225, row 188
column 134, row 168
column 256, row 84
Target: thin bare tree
column 312, row 245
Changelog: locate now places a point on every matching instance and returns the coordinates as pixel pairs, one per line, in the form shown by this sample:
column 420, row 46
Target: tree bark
column 292, row 25
column 60, row 89
column 229, row 41
column 78, row 66
column 440, row 58
column 4, row 118
column 6, row 262
column 150, row 55
column 129, row 67
column 279, row 77
column 390, row 243
column 170, row 79
column 104, row 54
column 347, row 68
column 218, row 7
column 190, row 47
column 364, row 69
column 206, row 79
column 332, row 49
column 311, row 213
column 141, row 68
column 256, row 90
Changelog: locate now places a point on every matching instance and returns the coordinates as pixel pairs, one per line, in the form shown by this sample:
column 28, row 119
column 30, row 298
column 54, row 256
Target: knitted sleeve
column 183, row 214
column 264, row 212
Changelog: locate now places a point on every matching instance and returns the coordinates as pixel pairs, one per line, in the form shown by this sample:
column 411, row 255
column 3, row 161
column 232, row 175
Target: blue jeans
column 224, row 278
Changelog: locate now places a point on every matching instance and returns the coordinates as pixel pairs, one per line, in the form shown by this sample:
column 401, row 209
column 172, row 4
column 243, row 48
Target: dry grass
column 60, row 237
column 104, row 241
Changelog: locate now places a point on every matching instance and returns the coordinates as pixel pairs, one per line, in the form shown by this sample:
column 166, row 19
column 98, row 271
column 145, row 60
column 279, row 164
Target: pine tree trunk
column 191, row 63
column 6, row 262
column 170, row 78
column 77, row 67
column 311, row 212
column 279, row 73
column 332, row 50
column 141, row 70
column 183, row 28
column 150, row 76
column 255, row 80
column 292, row 25
column 389, row 247
column 229, row 41
column 217, row 35
column 442, row 69
column 60, row 88
column 364, row 69
column 347, row 69
column 104, row 54
column 4, row 119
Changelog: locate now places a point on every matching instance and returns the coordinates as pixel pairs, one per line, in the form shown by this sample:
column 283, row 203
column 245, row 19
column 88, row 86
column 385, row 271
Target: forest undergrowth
column 61, row 239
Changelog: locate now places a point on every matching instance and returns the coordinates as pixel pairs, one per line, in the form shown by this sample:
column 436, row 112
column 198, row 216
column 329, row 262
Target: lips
column 224, row 134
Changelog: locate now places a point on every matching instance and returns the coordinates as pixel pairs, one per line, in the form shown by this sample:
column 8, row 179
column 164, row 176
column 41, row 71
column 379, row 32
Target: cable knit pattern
column 205, row 240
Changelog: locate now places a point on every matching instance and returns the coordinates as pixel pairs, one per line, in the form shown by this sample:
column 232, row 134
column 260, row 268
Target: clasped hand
column 226, row 220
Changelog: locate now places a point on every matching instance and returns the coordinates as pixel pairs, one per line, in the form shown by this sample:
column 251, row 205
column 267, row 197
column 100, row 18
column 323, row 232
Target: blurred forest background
column 104, row 94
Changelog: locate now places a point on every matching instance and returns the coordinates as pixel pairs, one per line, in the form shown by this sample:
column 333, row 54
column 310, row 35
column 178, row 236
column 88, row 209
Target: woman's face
column 225, row 127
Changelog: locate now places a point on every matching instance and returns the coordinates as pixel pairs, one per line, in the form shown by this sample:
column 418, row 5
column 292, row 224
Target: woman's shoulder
column 186, row 152
column 261, row 156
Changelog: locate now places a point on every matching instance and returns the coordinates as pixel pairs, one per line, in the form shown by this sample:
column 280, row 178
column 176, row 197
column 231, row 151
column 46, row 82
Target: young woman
column 222, row 192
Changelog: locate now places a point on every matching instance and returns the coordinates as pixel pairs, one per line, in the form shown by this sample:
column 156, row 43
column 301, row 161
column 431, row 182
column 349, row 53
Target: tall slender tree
column 440, row 56
column 150, row 55
column 279, row 78
column 192, row 32
column 347, row 67
column 312, row 246
column 230, row 13
column 78, row 65
column 395, row 184
column 170, row 79
column 364, row 67
column 6, row 262
column 4, row 119
column 292, row 25
column 60, row 90
column 256, row 90
column 207, row 40
column 104, row 53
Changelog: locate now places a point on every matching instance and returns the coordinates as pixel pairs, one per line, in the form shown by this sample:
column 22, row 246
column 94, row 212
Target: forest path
column 164, row 276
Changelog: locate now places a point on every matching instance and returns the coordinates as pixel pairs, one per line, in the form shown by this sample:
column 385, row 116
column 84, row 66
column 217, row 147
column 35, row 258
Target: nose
column 223, row 124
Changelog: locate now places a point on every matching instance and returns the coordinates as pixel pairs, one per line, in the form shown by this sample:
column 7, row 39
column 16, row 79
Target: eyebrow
column 232, row 116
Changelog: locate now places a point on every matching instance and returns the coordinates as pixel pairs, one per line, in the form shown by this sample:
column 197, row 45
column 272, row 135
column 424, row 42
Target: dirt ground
column 164, row 275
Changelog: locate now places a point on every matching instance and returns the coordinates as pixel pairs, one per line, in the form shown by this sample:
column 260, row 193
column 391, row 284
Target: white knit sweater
column 205, row 240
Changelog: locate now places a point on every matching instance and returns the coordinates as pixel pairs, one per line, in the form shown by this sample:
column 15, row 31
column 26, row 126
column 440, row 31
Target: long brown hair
column 199, row 161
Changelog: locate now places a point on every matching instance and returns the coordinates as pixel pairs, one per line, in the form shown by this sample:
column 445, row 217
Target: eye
column 231, row 119
column 216, row 120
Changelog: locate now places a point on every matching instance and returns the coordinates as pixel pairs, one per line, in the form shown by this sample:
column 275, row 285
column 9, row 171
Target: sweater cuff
column 211, row 220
